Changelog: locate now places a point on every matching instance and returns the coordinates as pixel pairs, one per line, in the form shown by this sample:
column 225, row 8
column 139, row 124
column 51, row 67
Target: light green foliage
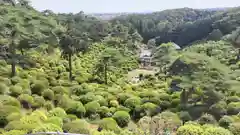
column 14, row 116
column 131, row 103
column 3, row 88
column 55, row 120
column 76, row 108
column 47, row 127
column 15, row 90
column 190, row 130
column 122, row 118
column 92, row 107
column 77, row 126
column 150, row 109
column 15, row 132
column 58, row 112
column 8, row 100
column 211, row 130
column 109, row 124
column 48, row 94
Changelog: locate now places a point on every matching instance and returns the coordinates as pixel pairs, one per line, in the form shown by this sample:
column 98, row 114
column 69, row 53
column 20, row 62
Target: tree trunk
column 13, row 62
column 70, row 66
column 105, row 73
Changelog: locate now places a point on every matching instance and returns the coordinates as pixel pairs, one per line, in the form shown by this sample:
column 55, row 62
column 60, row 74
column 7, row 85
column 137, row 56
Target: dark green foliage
column 122, row 118
column 185, row 116
column 225, row 121
column 235, row 128
column 233, row 108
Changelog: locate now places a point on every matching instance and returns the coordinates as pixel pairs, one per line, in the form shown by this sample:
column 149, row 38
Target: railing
column 54, row 133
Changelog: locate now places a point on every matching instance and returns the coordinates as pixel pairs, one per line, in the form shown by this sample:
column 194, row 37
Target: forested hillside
column 69, row 72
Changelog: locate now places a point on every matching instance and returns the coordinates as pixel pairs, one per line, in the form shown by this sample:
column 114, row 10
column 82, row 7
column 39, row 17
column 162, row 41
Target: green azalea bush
column 122, row 118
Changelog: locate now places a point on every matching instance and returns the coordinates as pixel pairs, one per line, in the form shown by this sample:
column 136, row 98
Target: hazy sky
column 106, row 6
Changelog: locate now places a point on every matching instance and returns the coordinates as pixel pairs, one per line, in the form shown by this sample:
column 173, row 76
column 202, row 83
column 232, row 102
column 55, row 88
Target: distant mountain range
column 109, row 16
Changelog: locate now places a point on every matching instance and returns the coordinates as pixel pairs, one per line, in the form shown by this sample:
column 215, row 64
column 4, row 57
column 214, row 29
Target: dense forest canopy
column 79, row 74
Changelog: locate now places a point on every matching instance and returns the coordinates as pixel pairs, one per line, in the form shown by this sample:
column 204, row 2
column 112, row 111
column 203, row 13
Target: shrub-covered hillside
column 69, row 73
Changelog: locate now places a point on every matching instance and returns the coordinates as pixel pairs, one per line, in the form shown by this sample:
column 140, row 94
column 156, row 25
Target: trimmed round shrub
column 38, row 87
column 8, row 100
column 76, row 108
column 15, row 80
column 58, row 112
column 3, row 88
column 16, row 132
column 114, row 103
column 207, row 119
column 92, row 107
column 69, row 118
column 19, row 125
column 59, row 90
column 219, row 109
column 122, row 118
column 79, row 90
column 48, row 94
column 101, row 100
column 48, row 105
column 233, row 108
column 15, row 90
column 5, row 111
column 26, row 98
column 211, row 130
column 190, row 130
column 14, row 116
column 77, row 126
column 131, row 103
column 225, row 121
column 39, row 101
column 233, row 99
column 150, row 109
column 185, row 116
column 5, row 81
column 87, row 98
column 123, row 108
column 165, row 105
column 175, row 103
column 165, row 97
column 235, row 128
column 104, row 112
column 170, row 118
column 55, row 120
column 39, row 114
column 48, row 127
column 109, row 124
column 122, row 97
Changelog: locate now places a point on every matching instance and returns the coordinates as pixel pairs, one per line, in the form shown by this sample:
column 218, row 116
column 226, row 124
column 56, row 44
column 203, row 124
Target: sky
column 113, row 6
